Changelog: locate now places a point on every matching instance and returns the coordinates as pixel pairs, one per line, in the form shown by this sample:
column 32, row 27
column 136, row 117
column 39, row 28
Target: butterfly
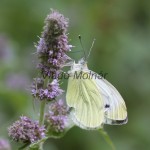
column 92, row 99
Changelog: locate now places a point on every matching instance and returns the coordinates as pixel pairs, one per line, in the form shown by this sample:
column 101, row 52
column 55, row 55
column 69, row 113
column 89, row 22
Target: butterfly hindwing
column 115, row 108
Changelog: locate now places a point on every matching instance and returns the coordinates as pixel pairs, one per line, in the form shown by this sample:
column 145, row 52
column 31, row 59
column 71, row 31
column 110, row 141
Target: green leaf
column 36, row 145
column 24, row 146
column 51, row 133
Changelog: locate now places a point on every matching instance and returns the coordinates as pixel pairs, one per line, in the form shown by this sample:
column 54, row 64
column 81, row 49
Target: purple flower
column 50, row 92
column 57, row 118
column 37, row 85
column 58, row 123
column 26, row 130
column 4, row 144
column 53, row 44
column 17, row 81
column 58, row 108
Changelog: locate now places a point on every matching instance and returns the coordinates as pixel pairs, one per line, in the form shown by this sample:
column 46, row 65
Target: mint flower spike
column 51, row 51
column 53, row 45
column 57, row 119
column 26, row 130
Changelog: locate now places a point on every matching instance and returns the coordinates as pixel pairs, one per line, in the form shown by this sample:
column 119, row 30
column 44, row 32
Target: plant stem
column 107, row 138
column 41, row 119
column 41, row 146
column 42, row 109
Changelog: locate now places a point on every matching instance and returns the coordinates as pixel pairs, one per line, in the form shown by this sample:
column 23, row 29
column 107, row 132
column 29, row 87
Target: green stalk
column 107, row 139
column 42, row 110
column 41, row 146
column 42, row 106
column 41, row 119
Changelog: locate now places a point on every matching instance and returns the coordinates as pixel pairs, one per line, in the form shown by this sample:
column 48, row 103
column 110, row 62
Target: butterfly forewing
column 84, row 96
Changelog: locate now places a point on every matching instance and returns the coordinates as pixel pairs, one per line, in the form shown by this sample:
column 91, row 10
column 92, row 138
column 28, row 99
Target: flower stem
column 107, row 139
column 42, row 109
column 41, row 119
column 41, row 146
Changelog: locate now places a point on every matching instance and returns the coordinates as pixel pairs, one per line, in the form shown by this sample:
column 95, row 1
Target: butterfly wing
column 115, row 108
column 84, row 97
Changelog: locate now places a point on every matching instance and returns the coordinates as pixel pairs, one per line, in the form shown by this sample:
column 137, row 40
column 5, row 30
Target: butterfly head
column 80, row 66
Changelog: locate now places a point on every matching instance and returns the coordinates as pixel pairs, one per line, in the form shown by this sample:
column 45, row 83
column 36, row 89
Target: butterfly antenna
column 82, row 46
column 91, row 48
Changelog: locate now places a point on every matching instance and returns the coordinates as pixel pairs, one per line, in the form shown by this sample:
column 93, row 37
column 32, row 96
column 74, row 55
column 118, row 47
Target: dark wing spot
column 107, row 106
column 119, row 122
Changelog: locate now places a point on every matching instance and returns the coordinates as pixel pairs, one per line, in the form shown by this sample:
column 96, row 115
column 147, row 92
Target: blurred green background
column 122, row 49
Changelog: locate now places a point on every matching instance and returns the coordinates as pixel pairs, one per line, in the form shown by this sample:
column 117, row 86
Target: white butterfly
column 94, row 101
